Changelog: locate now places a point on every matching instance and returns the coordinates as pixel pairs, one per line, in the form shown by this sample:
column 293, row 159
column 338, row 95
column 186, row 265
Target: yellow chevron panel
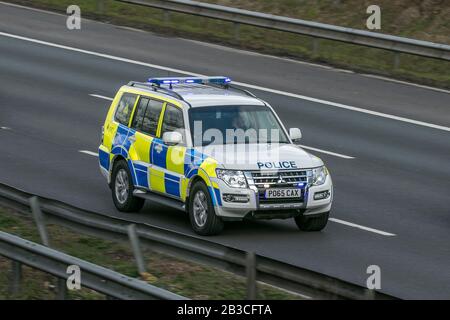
column 209, row 165
column 110, row 130
column 175, row 159
column 132, row 153
column 157, row 181
column 142, row 147
column 203, row 175
column 183, row 188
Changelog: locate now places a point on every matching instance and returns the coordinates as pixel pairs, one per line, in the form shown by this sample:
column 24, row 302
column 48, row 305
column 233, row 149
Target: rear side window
column 151, row 117
column 139, row 114
column 125, row 108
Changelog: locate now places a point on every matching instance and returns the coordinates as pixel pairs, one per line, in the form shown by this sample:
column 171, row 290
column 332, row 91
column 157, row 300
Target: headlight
column 233, row 178
column 318, row 176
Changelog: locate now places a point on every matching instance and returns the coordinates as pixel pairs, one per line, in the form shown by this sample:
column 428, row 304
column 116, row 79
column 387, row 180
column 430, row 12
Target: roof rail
column 243, row 90
column 230, row 86
column 147, row 85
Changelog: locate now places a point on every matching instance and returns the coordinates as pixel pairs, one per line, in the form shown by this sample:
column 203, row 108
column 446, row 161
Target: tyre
column 314, row 223
column 122, row 189
column 201, row 211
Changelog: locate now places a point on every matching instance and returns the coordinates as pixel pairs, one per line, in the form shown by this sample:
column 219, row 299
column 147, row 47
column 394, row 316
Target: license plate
column 283, row 193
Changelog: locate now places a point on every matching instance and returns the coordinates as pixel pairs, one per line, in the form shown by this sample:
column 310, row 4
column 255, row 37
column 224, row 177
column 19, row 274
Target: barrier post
column 39, row 220
column 251, row 275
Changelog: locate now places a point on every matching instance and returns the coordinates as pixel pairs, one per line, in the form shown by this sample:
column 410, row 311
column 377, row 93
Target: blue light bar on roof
column 190, row 80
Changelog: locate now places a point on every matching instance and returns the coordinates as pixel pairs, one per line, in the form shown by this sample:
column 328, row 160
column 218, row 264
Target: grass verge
column 184, row 278
column 361, row 59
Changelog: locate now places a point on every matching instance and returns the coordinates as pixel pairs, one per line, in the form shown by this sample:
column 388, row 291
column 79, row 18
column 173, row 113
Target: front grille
column 264, row 180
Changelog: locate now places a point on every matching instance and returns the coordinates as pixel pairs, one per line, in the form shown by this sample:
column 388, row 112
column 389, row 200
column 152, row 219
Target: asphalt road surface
column 387, row 144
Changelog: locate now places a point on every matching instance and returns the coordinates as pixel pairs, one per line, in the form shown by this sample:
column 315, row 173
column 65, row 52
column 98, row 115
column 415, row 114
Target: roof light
column 190, row 80
column 170, row 81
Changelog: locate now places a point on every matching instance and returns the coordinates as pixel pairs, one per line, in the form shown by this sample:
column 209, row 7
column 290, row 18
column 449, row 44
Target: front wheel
column 201, row 211
column 314, row 223
column 122, row 189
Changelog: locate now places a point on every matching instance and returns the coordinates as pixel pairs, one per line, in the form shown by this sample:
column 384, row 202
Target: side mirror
column 295, row 134
column 172, row 138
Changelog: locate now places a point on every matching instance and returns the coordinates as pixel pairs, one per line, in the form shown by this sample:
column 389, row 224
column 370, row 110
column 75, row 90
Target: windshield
column 235, row 125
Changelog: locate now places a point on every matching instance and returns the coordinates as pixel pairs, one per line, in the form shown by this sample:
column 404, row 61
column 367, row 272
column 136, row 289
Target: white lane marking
column 5, row 128
column 131, row 29
column 101, row 97
column 94, row 154
column 303, row 296
column 354, row 225
column 242, row 84
column 327, row 152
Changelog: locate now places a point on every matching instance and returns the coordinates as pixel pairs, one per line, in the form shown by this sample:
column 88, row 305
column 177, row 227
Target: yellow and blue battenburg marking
column 169, row 169
column 141, row 173
column 103, row 158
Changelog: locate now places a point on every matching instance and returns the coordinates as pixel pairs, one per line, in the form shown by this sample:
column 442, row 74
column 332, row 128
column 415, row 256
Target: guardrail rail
column 97, row 278
column 257, row 267
column 313, row 29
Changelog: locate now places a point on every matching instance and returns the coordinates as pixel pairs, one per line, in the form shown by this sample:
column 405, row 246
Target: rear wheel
column 314, row 223
column 201, row 211
column 122, row 189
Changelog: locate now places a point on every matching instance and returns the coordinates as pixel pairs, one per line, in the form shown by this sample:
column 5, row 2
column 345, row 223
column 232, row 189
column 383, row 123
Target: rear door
column 167, row 172
column 145, row 127
column 117, row 132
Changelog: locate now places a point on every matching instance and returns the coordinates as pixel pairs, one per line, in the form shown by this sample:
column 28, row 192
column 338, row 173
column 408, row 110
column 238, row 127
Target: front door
column 167, row 173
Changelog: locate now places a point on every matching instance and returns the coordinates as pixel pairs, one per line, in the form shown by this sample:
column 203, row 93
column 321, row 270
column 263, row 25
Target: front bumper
column 254, row 209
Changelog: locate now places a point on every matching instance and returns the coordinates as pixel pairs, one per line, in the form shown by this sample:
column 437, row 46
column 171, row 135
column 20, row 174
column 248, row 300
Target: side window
column 151, row 117
column 173, row 120
column 125, row 108
column 139, row 114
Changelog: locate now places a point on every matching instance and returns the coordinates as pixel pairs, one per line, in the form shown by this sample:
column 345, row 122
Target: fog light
column 240, row 198
column 321, row 195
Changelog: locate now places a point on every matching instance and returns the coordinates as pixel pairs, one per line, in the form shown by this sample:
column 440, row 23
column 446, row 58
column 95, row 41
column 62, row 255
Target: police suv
column 217, row 152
